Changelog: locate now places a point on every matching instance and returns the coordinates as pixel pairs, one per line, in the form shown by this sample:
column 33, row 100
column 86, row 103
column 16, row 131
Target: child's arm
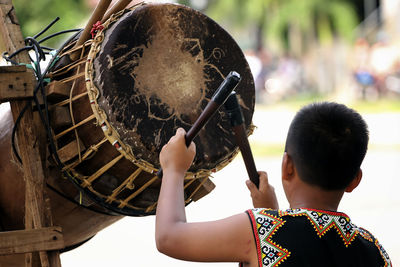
column 228, row 240
column 264, row 196
column 175, row 159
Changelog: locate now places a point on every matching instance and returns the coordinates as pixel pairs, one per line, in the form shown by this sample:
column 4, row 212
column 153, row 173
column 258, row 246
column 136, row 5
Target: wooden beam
column 60, row 117
column 24, row 241
column 70, row 150
column 10, row 28
column 11, row 33
column 57, row 91
column 15, row 83
column 27, row 138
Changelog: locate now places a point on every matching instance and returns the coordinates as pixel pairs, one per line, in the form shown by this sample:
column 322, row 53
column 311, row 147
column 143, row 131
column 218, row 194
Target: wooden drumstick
column 217, row 100
column 237, row 121
column 97, row 15
column 118, row 6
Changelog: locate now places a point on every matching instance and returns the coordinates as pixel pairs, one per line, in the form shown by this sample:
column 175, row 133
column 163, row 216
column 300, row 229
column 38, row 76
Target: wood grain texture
column 23, row 241
column 27, row 140
column 15, row 82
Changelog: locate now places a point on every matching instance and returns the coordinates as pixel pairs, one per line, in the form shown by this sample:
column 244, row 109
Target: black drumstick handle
column 219, row 98
column 237, row 122
column 244, row 146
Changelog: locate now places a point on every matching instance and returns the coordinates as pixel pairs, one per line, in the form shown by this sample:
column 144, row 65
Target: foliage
column 284, row 23
column 288, row 22
column 35, row 15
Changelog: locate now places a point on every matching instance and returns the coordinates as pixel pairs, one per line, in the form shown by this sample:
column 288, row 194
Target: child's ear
column 287, row 167
column 356, row 181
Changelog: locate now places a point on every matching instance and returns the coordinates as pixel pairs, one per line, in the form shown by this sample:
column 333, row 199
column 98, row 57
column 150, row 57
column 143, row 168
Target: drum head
column 157, row 69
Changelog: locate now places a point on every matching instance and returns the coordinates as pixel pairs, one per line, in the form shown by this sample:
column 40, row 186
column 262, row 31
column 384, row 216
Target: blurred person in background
column 361, row 68
column 383, row 58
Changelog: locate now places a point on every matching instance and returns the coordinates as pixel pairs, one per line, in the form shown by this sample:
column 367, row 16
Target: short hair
column 327, row 143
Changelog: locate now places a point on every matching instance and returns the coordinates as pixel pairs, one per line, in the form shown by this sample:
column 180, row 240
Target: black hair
column 327, row 143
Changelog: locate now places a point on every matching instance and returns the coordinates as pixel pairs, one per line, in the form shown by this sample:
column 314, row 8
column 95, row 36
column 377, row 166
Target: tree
column 35, row 15
column 291, row 24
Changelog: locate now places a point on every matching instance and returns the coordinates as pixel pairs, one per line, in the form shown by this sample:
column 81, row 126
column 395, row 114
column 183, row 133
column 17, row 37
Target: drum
column 148, row 71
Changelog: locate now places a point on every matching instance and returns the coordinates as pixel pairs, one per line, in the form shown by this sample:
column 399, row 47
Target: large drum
column 149, row 70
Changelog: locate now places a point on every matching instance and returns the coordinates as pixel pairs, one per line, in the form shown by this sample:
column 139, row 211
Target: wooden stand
column 39, row 237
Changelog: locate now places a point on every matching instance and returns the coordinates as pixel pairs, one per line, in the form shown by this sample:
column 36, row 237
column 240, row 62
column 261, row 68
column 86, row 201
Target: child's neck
column 313, row 197
column 316, row 206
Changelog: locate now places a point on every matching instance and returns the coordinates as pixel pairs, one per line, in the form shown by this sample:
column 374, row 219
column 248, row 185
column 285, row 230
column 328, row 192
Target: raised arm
column 228, row 240
column 175, row 160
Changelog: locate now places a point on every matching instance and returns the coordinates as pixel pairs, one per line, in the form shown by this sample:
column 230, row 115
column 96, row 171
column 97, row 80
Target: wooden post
column 23, row 241
column 15, row 82
column 35, row 205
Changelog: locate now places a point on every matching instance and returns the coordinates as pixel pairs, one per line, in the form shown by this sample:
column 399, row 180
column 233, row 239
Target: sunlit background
column 299, row 51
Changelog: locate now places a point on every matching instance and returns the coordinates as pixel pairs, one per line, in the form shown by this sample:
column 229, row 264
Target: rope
column 71, row 110
column 137, row 192
column 66, row 69
column 62, row 103
column 88, row 182
column 188, row 183
column 91, row 117
column 73, row 78
column 125, row 184
column 88, row 152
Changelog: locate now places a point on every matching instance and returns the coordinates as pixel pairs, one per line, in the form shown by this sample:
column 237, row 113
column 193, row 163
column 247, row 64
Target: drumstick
column 237, row 121
column 118, row 6
column 97, row 15
column 217, row 100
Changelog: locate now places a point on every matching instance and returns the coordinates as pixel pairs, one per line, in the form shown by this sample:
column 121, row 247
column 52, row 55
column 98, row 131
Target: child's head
column 327, row 143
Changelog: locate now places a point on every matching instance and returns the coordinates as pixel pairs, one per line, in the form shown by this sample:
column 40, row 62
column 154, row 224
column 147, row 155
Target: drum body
column 150, row 70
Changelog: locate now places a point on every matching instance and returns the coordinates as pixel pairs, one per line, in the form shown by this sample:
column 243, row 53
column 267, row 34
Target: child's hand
column 175, row 156
column 264, row 196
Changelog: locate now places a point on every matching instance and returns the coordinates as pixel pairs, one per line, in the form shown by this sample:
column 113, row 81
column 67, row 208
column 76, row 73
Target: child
column 325, row 147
